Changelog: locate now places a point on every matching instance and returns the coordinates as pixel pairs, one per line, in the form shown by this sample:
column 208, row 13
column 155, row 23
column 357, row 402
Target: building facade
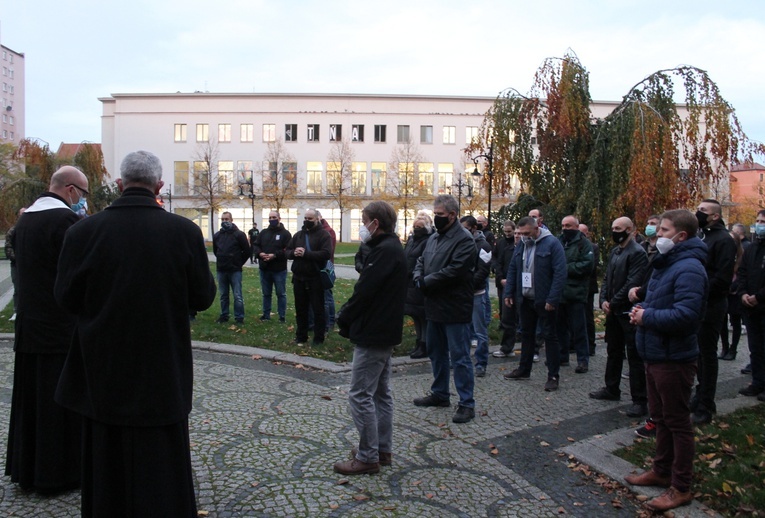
column 12, row 120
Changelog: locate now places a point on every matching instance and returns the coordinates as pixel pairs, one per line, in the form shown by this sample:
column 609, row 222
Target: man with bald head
column 43, row 438
column 627, row 263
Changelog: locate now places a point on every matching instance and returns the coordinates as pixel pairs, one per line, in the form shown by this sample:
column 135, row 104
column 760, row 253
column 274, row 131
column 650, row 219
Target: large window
column 269, row 132
column 359, row 178
column 244, row 173
column 380, row 133
column 450, row 134
column 379, row 173
column 425, row 178
column 335, row 132
column 313, row 133
column 402, row 134
column 313, row 178
column 226, row 183
column 334, row 178
column 181, row 178
column 357, row 133
column 203, row 132
column 179, row 131
column 406, row 179
column 471, row 134
column 247, row 133
column 290, row 133
column 200, row 183
column 289, row 175
column 445, row 176
column 224, row 132
column 426, row 134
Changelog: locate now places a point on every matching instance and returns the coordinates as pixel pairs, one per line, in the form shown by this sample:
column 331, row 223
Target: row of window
column 7, row 56
column 8, row 88
column 8, row 72
column 313, row 133
column 424, row 179
column 6, row 133
column 8, row 119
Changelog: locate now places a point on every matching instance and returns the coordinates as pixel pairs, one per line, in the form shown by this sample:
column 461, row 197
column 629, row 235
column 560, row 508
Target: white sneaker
column 13, row 317
column 474, row 343
column 499, row 354
column 536, row 358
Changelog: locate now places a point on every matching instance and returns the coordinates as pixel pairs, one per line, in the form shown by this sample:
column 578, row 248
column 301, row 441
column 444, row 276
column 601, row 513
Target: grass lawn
column 729, row 468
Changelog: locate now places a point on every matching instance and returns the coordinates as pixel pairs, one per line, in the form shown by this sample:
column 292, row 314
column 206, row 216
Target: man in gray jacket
column 444, row 273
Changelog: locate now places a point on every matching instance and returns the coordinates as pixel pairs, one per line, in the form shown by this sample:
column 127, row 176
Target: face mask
column 650, row 230
column 759, row 229
column 702, row 217
column 308, row 225
column 569, row 233
column 273, row 223
column 226, row 225
column 440, row 222
column 664, row 245
column 479, row 227
column 364, row 234
column 76, row 207
column 420, row 232
column 619, row 237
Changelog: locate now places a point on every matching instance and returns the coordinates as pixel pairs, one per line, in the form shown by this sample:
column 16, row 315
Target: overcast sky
column 78, row 51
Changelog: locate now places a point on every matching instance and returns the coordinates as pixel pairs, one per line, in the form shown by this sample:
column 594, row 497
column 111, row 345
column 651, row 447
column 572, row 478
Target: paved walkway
column 265, row 433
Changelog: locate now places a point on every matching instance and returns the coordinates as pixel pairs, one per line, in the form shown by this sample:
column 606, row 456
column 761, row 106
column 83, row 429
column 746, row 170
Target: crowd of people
column 102, row 403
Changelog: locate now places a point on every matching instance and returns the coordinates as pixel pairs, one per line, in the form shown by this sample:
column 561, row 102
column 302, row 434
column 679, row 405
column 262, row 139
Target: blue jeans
column 267, row 281
column 329, row 311
column 451, row 341
column 572, row 331
column 487, row 304
column 231, row 280
column 534, row 316
column 480, row 331
column 371, row 401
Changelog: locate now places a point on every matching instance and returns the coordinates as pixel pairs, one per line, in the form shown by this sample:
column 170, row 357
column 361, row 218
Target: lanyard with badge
column 526, row 276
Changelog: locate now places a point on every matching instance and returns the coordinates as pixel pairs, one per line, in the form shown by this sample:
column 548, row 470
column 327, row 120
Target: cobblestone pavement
column 265, row 435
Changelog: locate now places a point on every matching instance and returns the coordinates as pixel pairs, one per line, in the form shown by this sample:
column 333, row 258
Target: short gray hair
column 448, row 202
column 141, row 167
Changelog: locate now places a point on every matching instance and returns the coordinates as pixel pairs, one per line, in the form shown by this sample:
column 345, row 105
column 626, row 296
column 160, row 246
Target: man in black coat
column 131, row 274
column 373, row 319
column 43, row 438
column 231, row 250
column 309, row 249
column 503, row 254
column 444, row 273
column 270, row 248
column 721, row 260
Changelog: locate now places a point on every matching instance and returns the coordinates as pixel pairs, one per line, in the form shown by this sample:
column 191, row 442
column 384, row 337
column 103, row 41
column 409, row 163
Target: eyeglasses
column 78, row 188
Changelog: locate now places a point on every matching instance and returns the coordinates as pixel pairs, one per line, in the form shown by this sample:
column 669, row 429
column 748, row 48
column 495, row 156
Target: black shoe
column 747, row 369
column 264, row 318
column 463, row 414
column 431, row 400
column 751, row 390
column 637, row 410
column 282, row 320
column 700, row 417
column 605, row 395
column 552, row 384
column 648, row 430
column 592, row 352
column 240, row 321
column 729, row 356
column 517, row 374
column 221, row 320
column 316, row 342
column 581, row 368
column 563, row 364
column 761, row 397
column 420, row 351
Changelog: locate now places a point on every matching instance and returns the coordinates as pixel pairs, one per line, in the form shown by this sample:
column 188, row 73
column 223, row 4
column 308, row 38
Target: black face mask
column 702, row 218
column 441, row 222
column 308, row 225
column 420, row 232
column 479, row 227
column 273, row 223
column 569, row 233
column 619, row 237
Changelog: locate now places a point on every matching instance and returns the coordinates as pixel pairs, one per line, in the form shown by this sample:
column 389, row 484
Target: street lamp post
column 169, row 194
column 250, row 194
column 459, row 185
column 489, row 172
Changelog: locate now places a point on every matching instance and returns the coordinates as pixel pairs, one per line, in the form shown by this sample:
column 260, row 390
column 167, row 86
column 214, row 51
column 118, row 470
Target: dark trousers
column 508, row 322
column 589, row 317
column 755, row 334
column 735, row 324
column 309, row 293
column 572, row 332
column 708, row 335
column 620, row 335
column 669, row 391
column 533, row 315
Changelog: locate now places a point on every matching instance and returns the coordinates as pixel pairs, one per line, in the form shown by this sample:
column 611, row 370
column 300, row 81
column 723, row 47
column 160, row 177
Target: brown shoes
column 386, row 457
column 648, row 478
column 356, row 467
column 669, row 499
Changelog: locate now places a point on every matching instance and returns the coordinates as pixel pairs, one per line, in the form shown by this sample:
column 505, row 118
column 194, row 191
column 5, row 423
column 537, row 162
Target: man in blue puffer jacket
column 667, row 326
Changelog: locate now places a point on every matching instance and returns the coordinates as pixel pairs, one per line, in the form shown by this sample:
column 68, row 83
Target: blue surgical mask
column 650, row 230
column 77, row 207
column 759, row 229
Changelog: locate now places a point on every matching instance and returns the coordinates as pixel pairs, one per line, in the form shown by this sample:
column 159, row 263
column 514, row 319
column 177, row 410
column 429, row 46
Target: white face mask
column 665, row 244
column 364, row 234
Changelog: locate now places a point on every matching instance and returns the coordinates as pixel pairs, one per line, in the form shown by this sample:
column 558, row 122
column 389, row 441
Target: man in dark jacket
column 589, row 313
column 253, row 234
column 535, row 282
column 626, row 267
column 667, row 327
column 503, row 253
column 269, row 247
column 373, row 319
column 309, row 249
column 751, row 292
column 721, row 260
column 480, row 275
column 44, row 439
column 131, row 274
column 572, row 329
column 444, row 273
column 231, row 250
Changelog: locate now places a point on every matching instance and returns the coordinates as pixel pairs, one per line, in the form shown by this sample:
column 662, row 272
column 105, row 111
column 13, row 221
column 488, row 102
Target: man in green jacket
column 572, row 326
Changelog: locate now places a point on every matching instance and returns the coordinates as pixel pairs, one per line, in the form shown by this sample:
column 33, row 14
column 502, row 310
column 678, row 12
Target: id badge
column 526, row 279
